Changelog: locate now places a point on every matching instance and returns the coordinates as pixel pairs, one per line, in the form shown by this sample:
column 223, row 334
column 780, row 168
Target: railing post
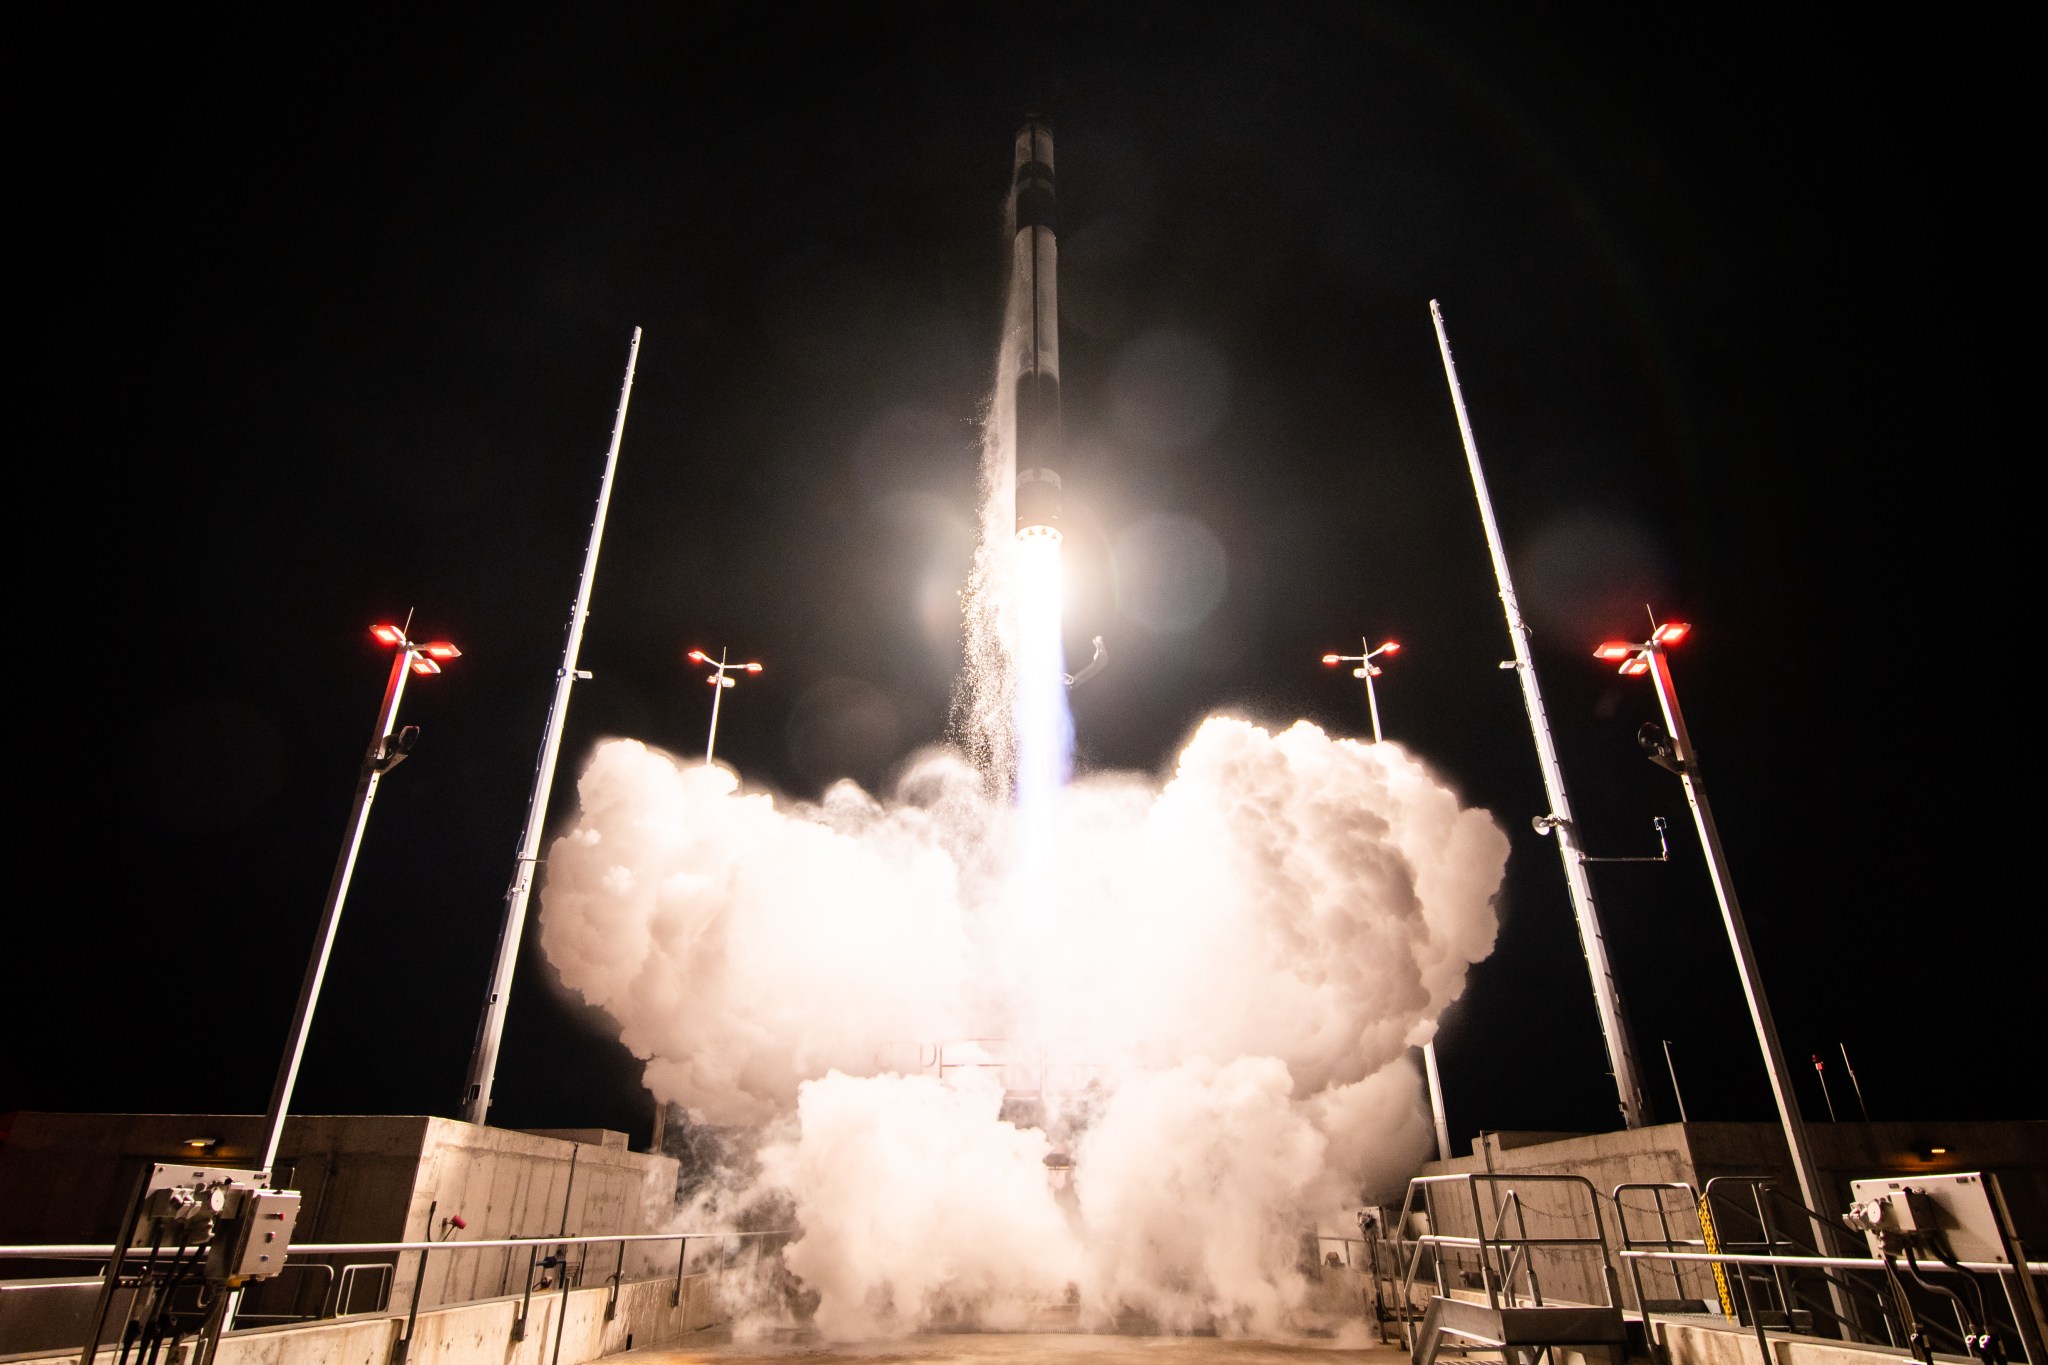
column 400, row 1347
column 611, row 1303
column 682, row 1259
column 525, row 1299
column 562, row 1312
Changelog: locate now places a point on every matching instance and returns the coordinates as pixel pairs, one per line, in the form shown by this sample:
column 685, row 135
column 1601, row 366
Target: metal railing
column 341, row 1289
column 1778, row 1263
column 1849, row 1304
column 1500, row 1256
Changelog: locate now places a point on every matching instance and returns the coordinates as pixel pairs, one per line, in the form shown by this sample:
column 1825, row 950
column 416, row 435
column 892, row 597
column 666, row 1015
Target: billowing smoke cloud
column 1216, row 980
column 1204, row 989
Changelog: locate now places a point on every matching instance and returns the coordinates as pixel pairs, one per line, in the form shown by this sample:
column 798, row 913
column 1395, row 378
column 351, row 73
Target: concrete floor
column 1053, row 1347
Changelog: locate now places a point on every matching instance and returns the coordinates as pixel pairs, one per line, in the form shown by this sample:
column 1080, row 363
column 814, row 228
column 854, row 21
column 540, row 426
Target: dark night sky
column 326, row 326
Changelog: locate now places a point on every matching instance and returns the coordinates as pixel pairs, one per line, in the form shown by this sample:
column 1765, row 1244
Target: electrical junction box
column 1896, row 1212
column 266, row 1219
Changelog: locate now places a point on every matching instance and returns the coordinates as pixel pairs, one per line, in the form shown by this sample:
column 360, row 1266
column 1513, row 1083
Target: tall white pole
column 374, row 766
column 483, row 1059
column 1436, row 1101
column 1810, row 1187
column 1606, row 992
column 1436, row 1085
column 1372, row 701
column 718, row 686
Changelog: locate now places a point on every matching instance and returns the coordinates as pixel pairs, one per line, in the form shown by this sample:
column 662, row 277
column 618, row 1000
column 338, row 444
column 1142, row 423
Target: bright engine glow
column 1045, row 730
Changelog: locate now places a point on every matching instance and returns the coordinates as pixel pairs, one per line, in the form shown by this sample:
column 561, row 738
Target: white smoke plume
column 1215, row 989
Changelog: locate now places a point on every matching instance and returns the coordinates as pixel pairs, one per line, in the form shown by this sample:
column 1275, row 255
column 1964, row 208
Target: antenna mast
column 483, row 1060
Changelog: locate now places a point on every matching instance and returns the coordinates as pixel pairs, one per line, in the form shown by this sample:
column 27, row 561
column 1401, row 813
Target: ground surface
column 1062, row 1348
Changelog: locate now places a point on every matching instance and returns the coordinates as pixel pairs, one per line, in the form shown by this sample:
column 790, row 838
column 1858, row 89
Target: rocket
column 1035, row 269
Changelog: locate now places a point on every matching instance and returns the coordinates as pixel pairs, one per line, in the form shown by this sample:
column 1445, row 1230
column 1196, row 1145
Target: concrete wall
column 1698, row 1343
column 472, row 1334
column 512, row 1184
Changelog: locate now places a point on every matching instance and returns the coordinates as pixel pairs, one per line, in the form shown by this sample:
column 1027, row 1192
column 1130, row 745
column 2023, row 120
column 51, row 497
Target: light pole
column 1368, row 670
column 720, row 678
column 386, row 752
column 1677, row 754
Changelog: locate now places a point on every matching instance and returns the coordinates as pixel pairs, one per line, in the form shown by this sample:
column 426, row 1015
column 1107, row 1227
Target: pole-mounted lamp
column 720, row 678
column 1675, row 752
column 1367, row 670
column 387, row 751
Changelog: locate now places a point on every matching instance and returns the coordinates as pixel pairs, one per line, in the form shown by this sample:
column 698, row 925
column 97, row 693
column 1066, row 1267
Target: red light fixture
column 1330, row 658
column 700, row 656
column 1635, row 667
column 753, row 668
column 1614, row 651
column 387, row 634
column 1671, row 632
column 1391, row 647
column 441, row 649
column 424, row 666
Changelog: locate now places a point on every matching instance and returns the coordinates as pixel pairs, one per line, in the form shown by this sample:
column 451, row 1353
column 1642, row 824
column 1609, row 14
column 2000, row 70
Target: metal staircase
column 1476, row 1231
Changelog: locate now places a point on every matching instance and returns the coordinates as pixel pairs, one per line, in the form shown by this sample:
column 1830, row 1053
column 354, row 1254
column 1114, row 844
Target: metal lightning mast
column 1606, row 994
column 483, row 1061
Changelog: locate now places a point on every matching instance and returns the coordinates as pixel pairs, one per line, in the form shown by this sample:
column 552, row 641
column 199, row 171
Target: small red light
column 1614, row 650
column 1332, row 658
column 388, row 634
column 1391, row 647
column 1671, row 632
column 1635, row 667
column 424, row 666
column 441, row 649
column 698, row 655
column 715, row 679
column 753, row 668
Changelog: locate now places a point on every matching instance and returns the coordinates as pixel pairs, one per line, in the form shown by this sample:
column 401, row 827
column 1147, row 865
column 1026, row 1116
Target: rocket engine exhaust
column 1036, row 263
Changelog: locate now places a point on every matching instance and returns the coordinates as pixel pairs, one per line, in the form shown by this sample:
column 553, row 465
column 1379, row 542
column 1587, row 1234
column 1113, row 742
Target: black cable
column 1916, row 1340
column 1976, row 1339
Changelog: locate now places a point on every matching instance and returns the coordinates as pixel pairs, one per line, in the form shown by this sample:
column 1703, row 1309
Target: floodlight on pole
column 387, row 750
column 720, row 677
column 1367, row 670
column 1676, row 752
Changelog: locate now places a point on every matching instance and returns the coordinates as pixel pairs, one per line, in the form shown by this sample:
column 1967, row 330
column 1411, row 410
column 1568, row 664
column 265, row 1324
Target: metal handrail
column 1488, row 1245
column 345, row 1287
column 1834, row 1262
column 1764, row 1193
column 88, row 1251
column 402, row 1345
column 1667, row 1241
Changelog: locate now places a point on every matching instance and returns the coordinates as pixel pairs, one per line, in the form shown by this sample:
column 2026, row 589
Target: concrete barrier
column 468, row 1334
column 1714, row 1343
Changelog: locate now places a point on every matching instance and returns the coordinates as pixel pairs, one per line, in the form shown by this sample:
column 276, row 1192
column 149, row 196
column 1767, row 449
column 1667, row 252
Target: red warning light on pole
column 1614, row 651
column 1671, row 632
